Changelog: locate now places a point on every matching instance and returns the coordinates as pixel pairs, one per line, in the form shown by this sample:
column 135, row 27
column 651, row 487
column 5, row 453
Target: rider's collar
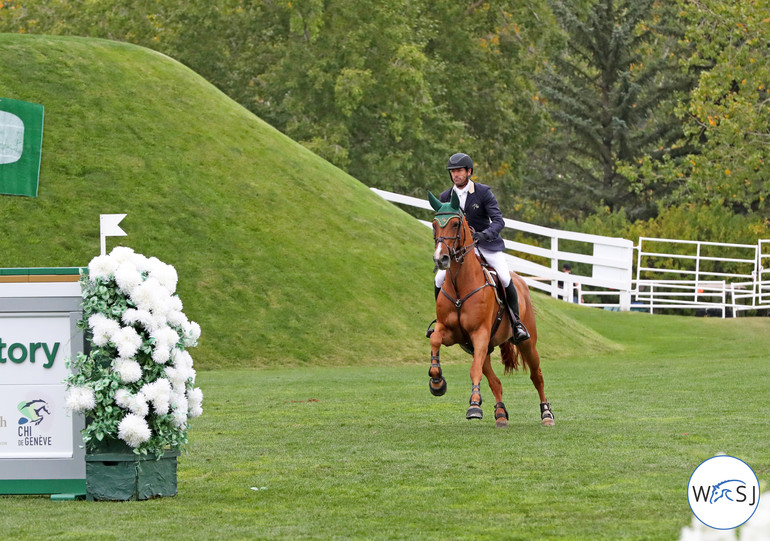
column 470, row 187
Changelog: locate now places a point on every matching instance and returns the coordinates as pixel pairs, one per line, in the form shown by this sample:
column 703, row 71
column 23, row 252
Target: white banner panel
column 33, row 420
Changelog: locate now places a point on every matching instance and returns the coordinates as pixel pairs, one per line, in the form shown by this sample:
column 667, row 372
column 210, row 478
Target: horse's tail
column 510, row 355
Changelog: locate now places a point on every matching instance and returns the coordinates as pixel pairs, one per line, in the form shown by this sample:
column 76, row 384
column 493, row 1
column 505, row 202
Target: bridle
column 459, row 240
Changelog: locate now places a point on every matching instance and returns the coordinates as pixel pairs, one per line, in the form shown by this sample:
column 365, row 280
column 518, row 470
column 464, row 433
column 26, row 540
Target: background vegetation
column 282, row 257
column 637, row 109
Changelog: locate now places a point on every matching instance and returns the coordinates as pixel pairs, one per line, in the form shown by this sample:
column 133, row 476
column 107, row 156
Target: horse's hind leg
column 437, row 383
column 501, row 414
column 532, row 358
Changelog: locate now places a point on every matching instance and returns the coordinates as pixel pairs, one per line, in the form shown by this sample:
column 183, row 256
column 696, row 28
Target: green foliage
column 727, row 116
column 609, row 91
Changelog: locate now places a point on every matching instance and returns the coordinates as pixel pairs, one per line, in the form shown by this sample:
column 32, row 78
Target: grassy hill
column 282, row 258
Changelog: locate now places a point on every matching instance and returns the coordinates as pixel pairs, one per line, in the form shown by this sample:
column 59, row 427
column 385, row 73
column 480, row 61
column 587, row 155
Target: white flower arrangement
column 137, row 383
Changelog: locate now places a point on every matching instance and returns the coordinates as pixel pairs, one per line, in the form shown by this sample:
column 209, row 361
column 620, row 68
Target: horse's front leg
column 437, row 383
column 480, row 344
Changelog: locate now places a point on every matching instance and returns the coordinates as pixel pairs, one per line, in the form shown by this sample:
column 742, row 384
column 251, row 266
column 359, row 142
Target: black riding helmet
column 460, row 160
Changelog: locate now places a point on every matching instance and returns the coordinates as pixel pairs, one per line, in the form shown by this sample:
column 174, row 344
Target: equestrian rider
column 484, row 216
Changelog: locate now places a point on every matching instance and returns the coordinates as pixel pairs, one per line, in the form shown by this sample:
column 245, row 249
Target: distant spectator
column 567, row 269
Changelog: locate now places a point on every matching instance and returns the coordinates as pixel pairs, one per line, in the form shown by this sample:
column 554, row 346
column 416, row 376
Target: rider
column 484, row 216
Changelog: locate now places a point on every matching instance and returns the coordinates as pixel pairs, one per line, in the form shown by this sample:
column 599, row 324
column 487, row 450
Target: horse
column 469, row 312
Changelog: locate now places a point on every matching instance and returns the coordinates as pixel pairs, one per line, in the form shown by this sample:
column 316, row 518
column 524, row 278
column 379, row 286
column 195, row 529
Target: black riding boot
column 436, row 291
column 520, row 332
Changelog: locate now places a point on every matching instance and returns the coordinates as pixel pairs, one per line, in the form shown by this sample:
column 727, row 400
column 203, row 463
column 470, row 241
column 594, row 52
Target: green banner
column 21, row 144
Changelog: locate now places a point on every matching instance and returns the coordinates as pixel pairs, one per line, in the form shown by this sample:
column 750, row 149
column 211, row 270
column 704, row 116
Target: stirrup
column 430, row 331
column 523, row 333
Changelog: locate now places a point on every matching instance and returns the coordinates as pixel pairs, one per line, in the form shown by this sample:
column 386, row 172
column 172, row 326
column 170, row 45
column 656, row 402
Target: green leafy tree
column 610, row 93
column 728, row 114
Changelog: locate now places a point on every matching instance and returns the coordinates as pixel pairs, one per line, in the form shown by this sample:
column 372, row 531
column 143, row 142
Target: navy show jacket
column 483, row 213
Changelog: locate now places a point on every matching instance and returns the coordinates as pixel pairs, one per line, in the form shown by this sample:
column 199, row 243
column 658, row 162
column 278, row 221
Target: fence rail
column 669, row 274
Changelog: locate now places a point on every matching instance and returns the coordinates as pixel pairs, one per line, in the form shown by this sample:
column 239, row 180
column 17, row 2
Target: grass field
column 367, row 453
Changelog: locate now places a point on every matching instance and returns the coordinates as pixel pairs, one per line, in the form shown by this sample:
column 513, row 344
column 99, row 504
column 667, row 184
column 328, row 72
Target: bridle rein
column 457, row 255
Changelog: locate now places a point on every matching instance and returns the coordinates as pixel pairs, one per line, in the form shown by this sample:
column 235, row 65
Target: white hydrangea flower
column 138, row 405
column 132, row 316
column 102, row 266
column 159, row 394
column 103, row 329
column 180, row 409
column 150, row 296
column 127, row 277
column 127, row 341
column 80, row 399
column 195, row 399
column 135, row 403
column 192, row 332
column 161, row 354
column 123, row 397
column 176, row 377
column 122, row 254
column 130, row 371
column 134, row 430
column 176, row 319
column 165, row 274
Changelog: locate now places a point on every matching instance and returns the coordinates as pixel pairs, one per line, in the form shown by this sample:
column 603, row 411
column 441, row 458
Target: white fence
column 670, row 274
column 611, row 260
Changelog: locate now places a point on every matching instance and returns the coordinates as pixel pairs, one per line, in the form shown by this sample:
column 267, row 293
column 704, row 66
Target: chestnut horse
column 469, row 312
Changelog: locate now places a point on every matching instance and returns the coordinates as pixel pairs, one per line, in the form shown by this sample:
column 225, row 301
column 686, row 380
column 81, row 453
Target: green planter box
column 117, row 474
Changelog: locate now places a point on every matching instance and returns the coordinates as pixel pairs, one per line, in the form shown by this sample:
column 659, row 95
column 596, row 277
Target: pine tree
column 610, row 92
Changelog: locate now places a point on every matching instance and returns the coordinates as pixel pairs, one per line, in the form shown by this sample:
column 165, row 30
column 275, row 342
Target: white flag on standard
column 108, row 227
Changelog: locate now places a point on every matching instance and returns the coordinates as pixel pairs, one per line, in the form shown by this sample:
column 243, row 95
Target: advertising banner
column 21, row 144
column 33, row 420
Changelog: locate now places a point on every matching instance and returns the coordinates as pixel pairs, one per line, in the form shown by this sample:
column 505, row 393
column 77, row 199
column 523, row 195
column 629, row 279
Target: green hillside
column 282, row 258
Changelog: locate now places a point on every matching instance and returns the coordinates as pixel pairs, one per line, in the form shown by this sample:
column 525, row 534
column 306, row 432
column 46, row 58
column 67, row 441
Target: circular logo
column 723, row 492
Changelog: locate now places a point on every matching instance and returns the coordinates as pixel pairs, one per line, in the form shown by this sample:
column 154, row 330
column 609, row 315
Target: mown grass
column 367, row 453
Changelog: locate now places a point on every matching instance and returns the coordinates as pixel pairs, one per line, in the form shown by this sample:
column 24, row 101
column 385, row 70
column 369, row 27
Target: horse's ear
column 455, row 201
column 434, row 202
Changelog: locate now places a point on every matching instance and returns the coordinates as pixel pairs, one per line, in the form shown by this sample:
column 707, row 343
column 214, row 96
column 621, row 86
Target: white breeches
column 496, row 260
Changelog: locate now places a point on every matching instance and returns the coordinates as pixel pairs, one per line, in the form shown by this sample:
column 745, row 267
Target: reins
column 459, row 257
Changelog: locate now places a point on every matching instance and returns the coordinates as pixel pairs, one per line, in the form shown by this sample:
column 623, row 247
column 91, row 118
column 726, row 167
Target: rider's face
column 460, row 176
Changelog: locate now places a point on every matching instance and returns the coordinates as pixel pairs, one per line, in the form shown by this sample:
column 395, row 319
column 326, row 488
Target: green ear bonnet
column 445, row 211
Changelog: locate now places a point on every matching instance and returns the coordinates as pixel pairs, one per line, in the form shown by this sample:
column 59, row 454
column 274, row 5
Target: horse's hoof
column 546, row 415
column 501, row 415
column 440, row 389
column 474, row 413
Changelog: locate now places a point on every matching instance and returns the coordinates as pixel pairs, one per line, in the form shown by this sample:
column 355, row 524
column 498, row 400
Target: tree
column 610, row 93
column 728, row 114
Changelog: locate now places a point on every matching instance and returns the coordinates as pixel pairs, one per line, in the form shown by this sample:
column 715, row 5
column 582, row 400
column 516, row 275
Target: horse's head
column 450, row 231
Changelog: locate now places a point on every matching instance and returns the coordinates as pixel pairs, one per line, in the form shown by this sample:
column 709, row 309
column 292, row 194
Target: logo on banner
column 33, row 413
column 723, row 492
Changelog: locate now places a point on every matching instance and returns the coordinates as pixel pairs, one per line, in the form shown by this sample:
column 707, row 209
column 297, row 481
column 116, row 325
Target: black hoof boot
column 475, row 411
column 501, row 417
column 437, row 386
column 546, row 415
